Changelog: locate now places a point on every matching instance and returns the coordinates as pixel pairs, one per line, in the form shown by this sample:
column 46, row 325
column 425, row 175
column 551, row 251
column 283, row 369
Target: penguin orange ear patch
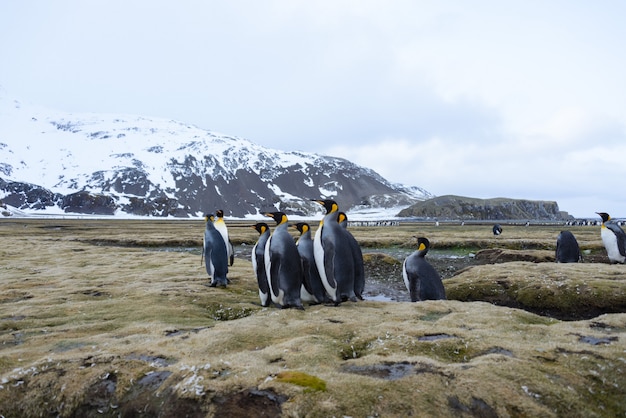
column 421, row 247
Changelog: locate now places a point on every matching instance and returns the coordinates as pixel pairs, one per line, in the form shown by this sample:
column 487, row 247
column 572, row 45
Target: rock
column 501, row 255
column 468, row 208
column 565, row 291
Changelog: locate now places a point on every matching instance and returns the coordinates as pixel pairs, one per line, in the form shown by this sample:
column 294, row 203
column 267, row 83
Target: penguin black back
column 420, row 278
column 567, row 249
column 357, row 254
column 215, row 254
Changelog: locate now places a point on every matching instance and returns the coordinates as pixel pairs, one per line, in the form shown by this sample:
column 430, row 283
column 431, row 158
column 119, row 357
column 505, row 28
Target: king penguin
column 421, row 279
column 497, row 229
column 258, row 262
column 215, row 256
column 220, row 225
column 614, row 239
column 567, row 249
column 313, row 290
column 282, row 265
column 333, row 255
column 357, row 254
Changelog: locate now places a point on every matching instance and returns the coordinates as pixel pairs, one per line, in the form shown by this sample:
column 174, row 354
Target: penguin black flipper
column 359, row 270
column 306, row 276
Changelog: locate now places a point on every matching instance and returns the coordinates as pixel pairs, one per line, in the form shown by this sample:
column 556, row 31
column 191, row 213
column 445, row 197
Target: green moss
column 312, row 383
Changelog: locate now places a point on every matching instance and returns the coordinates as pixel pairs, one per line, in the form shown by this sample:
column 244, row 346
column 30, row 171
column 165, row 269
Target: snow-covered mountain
column 54, row 162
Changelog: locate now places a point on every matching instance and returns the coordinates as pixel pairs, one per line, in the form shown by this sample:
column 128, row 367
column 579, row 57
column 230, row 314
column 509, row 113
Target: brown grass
column 97, row 319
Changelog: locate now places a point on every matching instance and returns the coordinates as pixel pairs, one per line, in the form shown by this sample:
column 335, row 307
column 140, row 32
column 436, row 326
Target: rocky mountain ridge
column 54, row 162
column 468, row 208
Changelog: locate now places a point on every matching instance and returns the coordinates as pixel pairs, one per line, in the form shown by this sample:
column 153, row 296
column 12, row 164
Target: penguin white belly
column 318, row 253
column 405, row 276
column 277, row 295
column 610, row 243
column 268, row 268
column 263, row 296
column 305, row 296
column 211, row 269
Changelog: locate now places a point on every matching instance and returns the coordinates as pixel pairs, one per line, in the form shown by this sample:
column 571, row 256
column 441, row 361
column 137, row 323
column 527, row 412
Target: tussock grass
column 103, row 318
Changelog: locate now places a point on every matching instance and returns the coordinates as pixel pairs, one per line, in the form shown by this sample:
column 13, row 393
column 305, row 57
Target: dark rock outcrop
column 468, row 208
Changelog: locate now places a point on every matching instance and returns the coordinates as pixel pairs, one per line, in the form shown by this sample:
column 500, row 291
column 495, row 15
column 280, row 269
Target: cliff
column 468, row 208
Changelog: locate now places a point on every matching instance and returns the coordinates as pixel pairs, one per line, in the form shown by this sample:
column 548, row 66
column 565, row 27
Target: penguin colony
column 328, row 268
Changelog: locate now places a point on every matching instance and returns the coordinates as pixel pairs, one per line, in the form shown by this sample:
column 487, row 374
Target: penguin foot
column 300, row 307
column 216, row 284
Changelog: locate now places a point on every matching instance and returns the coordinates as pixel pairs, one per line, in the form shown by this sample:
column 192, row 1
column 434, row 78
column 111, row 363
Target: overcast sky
column 520, row 99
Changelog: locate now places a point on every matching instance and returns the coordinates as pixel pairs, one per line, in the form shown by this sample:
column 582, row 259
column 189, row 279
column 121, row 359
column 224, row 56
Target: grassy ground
column 115, row 318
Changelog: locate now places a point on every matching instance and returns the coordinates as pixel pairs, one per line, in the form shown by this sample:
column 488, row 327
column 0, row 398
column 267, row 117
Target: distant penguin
column 421, row 279
column 215, row 255
column 258, row 262
column 359, row 270
column 282, row 265
column 333, row 255
column 313, row 290
column 220, row 225
column 614, row 239
column 497, row 229
column 567, row 249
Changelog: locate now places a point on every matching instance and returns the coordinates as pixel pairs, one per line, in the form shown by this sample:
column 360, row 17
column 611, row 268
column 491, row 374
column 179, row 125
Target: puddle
column 154, row 360
column 386, row 371
column 383, row 283
column 587, row 339
column 435, row 337
column 391, row 371
column 498, row 350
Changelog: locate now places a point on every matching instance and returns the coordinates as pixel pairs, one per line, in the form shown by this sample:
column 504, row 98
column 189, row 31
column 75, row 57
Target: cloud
column 491, row 98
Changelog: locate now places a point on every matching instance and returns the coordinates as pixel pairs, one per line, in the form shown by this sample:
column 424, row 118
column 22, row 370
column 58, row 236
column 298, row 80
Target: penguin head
column 605, row 216
column 423, row 245
column 279, row 217
column 209, row 217
column 330, row 205
column 302, row 227
column 261, row 227
column 219, row 213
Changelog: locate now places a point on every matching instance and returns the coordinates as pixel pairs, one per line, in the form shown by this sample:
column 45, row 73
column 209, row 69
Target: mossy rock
column 500, row 255
column 564, row 291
